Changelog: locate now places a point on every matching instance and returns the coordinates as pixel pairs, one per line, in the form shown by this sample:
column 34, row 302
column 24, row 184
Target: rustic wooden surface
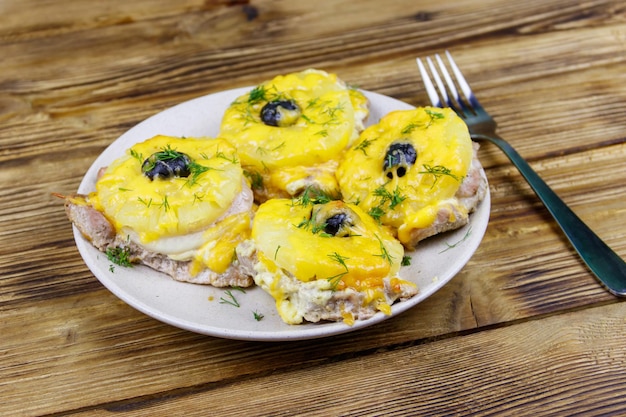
column 523, row 329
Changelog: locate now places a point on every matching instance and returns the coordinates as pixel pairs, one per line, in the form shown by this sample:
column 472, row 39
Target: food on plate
column 178, row 205
column 415, row 171
column 324, row 259
column 337, row 204
column 291, row 131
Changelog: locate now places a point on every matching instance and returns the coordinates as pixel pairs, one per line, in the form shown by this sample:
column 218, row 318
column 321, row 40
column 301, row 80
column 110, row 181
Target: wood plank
column 531, row 114
column 562, row 365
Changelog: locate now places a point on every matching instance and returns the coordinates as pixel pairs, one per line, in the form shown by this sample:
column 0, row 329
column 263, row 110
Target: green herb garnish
column 438, row 171
column 311, row 196
column 364, row 145
column 256, row 179
column 383, row 251
column 335, row 279
column 119, row 255
column 463, row 239
column 230, row 300
column 258, row 93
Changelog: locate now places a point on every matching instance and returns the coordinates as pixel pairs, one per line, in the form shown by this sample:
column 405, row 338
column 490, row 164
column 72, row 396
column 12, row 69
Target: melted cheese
column 221, row 241
column 300, row 264
column 444, row 154
column 186, row 218
column 331, row 117
column 169, row 207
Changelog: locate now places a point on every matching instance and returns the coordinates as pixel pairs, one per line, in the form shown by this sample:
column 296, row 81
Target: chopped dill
column 406, row 260
column 197, row 198
column 147, row 203
column 376, row 213
column 335, row 279
column 196, row 170
column 438, row 171
column 256, row 180
column 434, row 115
column 332, row 111
column 233, row 159
column 136, row 155
column 364, row 145
column 408, row 129
column 308, row 119
column 315, row 228
column 394, row 198
column 230, row 299
column 258, row 93
column 282, row 145
column 165, row 204
column 165, row 154
column 463, row 239
column 258, row 316
column 119, row 255
column 386, row 197
column 383, row 251
column 311, row 196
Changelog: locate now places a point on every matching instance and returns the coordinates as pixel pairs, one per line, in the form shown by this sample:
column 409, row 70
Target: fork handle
column 608, row 267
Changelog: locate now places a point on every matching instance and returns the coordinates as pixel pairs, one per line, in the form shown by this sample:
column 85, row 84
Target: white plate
column 197, row 307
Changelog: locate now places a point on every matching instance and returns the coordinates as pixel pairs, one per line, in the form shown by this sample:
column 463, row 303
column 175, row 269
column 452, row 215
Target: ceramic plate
column 202, row 309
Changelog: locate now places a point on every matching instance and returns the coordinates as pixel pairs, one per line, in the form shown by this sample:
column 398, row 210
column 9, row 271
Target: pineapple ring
column 175, row 206
column 326, row 260
column 320, row 117
column 334, row 243
column 404, row 167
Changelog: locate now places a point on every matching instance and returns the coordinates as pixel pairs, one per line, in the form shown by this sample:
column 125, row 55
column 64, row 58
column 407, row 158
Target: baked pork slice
column 97, row 229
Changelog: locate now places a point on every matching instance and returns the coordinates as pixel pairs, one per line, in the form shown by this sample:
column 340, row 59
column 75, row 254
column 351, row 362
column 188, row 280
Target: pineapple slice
column 326, row 260
column 404, row 168
column 287, row 125
column 334, row 242
column 181, row 202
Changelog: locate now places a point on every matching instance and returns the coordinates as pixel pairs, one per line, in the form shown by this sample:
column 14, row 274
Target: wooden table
column 523, row 329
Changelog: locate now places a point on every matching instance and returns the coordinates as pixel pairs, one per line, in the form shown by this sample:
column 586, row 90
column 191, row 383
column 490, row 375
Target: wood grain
column 523, row 329
column 555, row 366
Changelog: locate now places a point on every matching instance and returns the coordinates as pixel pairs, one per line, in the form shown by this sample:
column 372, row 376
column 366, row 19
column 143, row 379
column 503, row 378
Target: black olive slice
column 166, row 164
column 334, row 223
column 280, row 113
column 333, row 219
column 399, row 158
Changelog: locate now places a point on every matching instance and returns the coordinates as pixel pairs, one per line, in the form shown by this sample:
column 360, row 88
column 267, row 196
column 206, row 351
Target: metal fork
column 608, row 267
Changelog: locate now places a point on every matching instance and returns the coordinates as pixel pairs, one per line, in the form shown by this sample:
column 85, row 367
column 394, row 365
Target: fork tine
column 449, row 82
column 440, row 86
column 467, row 91
column 459, row 104
column 430, row 88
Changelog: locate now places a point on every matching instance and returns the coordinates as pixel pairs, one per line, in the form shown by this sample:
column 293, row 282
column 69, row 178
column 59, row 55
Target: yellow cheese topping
column 325, row 119
column 165, row 207
column 221, row 240
column 295, row 237
column 403, row 168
